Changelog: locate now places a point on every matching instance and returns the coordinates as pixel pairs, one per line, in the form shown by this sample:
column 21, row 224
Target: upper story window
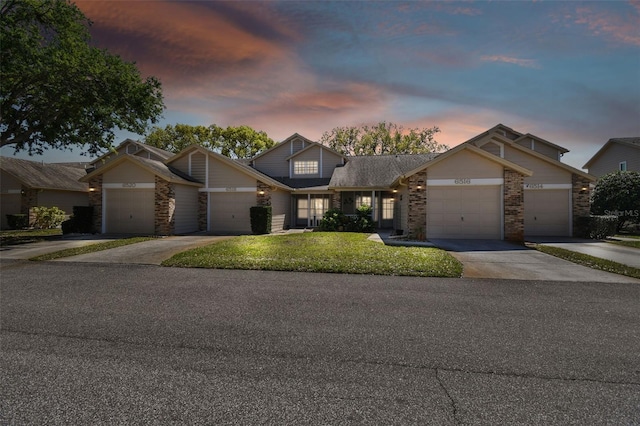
column 623, row 166
column 305, row 167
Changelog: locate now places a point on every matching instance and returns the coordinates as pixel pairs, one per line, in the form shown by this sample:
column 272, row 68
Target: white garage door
column 546, row 212
column 469, row 212
column 130, row 211
column 230, row 212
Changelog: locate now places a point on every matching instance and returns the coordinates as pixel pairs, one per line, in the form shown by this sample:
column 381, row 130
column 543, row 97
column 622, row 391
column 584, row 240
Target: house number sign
column 231, row 189
column 129, row 185
column 534, row 186
column 462, row 181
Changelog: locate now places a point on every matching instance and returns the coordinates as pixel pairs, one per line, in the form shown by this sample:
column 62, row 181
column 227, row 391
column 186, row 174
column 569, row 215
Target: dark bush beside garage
column 260, row 219
column 596, row 227
column 80, row 222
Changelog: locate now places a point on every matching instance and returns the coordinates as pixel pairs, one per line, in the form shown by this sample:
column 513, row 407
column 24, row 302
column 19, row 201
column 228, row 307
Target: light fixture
column 395, row 190
column 92, row 189
column 419, row 186
column 584, row 188
column 261, row 192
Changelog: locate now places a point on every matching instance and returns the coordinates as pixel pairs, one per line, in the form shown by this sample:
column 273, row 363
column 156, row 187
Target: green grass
column 28, row 236
column 634, row 244
column 590, row 261
column 91, row 248
column 348, row 253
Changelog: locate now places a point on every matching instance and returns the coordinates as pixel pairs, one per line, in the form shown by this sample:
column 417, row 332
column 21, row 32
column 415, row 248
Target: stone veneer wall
column 95, row 200
column 336, row 200
column 265, row 198
column 165, row 206
column 417, row 214
column 202, row 210
column 28, row 199
column 580, row 199
column 513, row 206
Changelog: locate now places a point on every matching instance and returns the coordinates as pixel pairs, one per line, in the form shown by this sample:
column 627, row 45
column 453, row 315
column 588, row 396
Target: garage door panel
column 230, row 212
column 130, row 211
column 472, row 212
column 546, row 213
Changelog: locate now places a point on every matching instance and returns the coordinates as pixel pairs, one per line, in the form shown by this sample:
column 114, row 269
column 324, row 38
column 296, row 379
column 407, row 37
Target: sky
column 566, row 71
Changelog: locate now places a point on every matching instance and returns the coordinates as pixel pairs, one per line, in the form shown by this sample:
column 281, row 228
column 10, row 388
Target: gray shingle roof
column 38, row 175
column 169, row 173
column 303, row 183
column 633, row 141
column 376, row 171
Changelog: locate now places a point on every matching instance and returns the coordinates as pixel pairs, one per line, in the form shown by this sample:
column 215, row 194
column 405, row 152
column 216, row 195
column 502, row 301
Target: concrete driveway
column 505, row 260
column 602, row 249
column 29, row 250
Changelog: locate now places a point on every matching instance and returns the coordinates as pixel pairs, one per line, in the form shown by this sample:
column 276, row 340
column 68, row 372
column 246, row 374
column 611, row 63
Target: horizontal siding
column 280, row 206
column 199, row 166
column 9, row 204
column 543, row 172
column 274, row 162
column 491, row 148
column 64, row 200
column 182, row 164
column 547, row 150
column 465, row 164
column 329, row 162
column 186, row 212
column 8, row 182
column 222, row 175
column 610, row 160
column 128, row 172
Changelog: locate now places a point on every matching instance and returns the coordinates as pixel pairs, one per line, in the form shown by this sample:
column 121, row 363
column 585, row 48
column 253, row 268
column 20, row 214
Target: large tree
column 382, row 138
column 618, row 194
column 234, row 142
column 57, row 91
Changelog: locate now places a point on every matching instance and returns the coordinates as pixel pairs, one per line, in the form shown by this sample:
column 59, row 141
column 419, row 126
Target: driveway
column 29, row 250
column 621, row 254
column 505, row 260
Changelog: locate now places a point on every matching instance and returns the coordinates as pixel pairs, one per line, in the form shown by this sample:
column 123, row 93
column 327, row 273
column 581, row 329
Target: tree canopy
column 618, row 194
column 57, row 91
column 382, row 138
column 234, row 142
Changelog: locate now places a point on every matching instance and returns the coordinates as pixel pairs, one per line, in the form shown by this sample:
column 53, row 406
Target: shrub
column 260, row 219
column 618, row 194
column 47, row 217
column 596, row 227
column 363, row 221
column 333, row 220
column 81, row 221
column 17, row 221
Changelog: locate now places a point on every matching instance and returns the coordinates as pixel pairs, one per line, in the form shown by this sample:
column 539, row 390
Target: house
column 25, row 184
column 501, row 184
column 618, row 154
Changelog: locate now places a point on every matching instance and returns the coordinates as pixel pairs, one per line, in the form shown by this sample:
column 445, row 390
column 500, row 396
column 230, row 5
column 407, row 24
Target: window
column 303, row 208
column 305, row 167
column 363, row 200
column 623, row 166
column 387, row 208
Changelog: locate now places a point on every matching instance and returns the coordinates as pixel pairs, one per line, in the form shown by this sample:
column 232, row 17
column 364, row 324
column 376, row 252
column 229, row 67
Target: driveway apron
column 616, row 253
column 504, row 260
column 151, row 252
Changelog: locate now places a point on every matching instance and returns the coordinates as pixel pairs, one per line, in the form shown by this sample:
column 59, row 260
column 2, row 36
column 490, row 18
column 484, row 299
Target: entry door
column 318, row 206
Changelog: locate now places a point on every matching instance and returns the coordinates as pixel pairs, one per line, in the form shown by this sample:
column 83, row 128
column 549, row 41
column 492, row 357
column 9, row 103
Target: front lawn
column 23, row 236
column 342, row 252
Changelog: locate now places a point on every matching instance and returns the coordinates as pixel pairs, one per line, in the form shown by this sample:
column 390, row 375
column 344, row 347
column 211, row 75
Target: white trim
column 206, row 171
column 103, row 225
column 129, row 185
column 208, row 211
column 502, row 211
column 465, row 182
column 541, row 186
column 571, row 213
column 189, row 166
column 620, row 166
column 320, row 165
column 230, row 189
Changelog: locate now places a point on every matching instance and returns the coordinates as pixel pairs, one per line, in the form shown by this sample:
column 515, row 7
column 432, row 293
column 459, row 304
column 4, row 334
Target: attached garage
column 473, row 212
column 129, row 210
column 547, row 212
column 229, row 212
column 186, row 212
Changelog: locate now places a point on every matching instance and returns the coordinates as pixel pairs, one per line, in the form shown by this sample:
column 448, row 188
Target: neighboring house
column 618, row 154
column 25, row 184
column 501, row 184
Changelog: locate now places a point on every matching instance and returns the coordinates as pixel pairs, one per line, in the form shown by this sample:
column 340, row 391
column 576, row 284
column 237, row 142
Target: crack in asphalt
column 292, row 356
column 452, row 402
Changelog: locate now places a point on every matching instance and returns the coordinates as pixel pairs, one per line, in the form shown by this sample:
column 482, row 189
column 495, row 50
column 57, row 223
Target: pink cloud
column 527, row 63
column 623, row 29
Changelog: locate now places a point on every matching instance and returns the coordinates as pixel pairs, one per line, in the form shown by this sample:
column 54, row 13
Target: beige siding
column 199, row 166
column 128, row 172
column 64, row 200
column 146, row 154
column 492, row 148
column 329, row 162
column 222, row 175
column 543, row 171
column 547, row 150
column 609, row 161
column 312, row 154
column 274, row 162
column 8, row 182
column 525, row 143
column 465, row 164
column 186, row 212
column 182, row 164
column 280, row 206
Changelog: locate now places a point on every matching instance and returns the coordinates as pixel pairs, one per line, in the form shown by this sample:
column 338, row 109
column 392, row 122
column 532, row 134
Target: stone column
column 165, row 206
column 417, row 211
column 513, row 206
column 580, row 199
column 263, row 197
column 95, row 200
column 336, row 200
column 202, row 210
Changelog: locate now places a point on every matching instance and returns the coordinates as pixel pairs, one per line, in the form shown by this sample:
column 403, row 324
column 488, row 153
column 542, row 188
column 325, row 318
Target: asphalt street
column 88, row 343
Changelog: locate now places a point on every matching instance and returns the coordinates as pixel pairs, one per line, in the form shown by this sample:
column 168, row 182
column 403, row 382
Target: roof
column 156, row 167
column 633, row 142
column 519, row 136
column 164, row 155
column 306, row 141
column 40, row 175
column 303, row 183
column 376, row 171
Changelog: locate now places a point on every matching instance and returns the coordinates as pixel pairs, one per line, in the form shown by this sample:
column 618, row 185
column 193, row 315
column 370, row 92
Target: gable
column 222, row 176
column 128, row 172
column 543, row 171
column 465, row 164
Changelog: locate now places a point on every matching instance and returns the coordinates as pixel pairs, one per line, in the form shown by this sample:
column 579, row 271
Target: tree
column 618, row 194
column 57, row 91
column 234, row 142
column 382, row 138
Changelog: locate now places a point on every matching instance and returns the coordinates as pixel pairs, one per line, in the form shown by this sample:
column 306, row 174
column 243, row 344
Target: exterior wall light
column 419, row 186
column 92, row 189
column 261, row 192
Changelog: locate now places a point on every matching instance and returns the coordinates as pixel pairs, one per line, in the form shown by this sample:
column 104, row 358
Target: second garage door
column 130, row 211
column 230, row 212
column 546, row 212
column 464, row 212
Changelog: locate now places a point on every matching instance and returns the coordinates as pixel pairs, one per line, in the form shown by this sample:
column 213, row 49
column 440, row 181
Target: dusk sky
column 567, row 71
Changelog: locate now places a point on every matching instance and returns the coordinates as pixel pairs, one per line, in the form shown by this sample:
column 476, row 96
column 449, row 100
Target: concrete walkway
column 604, row 250
column 29, row 250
